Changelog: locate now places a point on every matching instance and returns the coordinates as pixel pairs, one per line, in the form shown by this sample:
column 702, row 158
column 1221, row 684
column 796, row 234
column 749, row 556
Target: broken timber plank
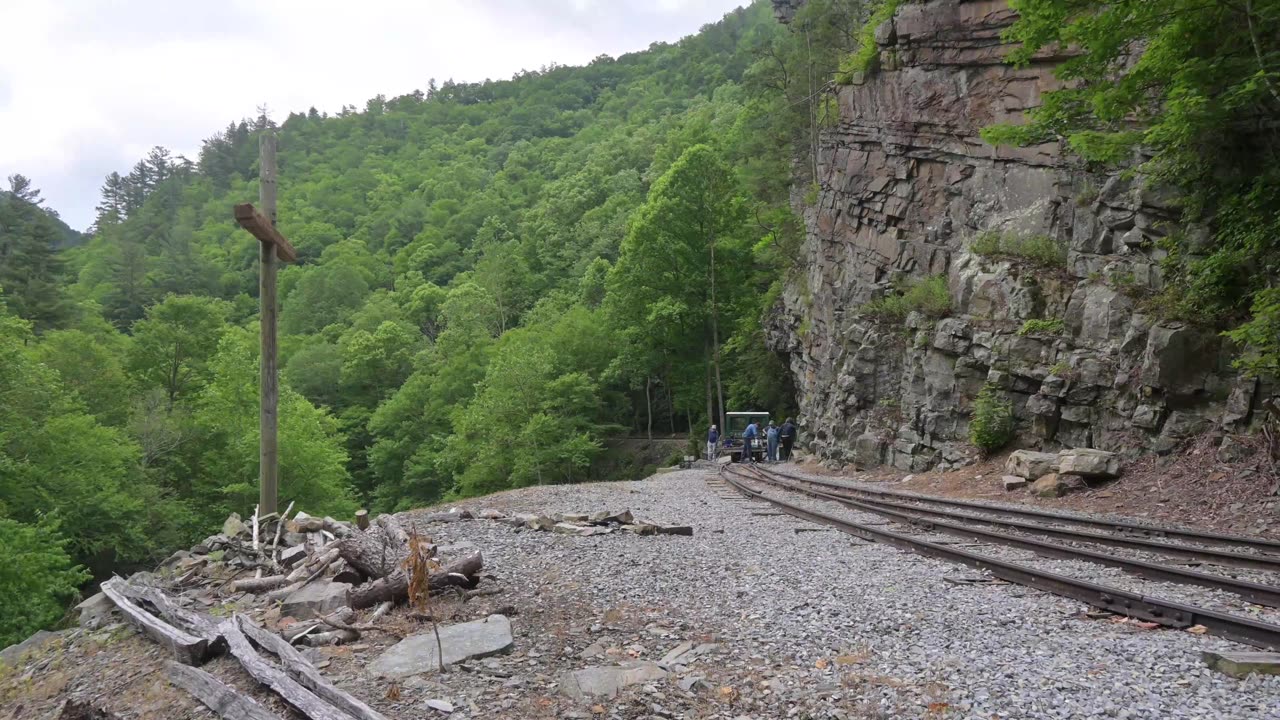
column 260, row 227
column 306, row 674
column 186, row 648
column 1242, row 664
column 302, row 699
column 190, row 621
column 223, row 700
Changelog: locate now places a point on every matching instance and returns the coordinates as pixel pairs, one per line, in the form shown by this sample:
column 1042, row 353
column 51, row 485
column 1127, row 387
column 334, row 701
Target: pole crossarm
column 260, row 227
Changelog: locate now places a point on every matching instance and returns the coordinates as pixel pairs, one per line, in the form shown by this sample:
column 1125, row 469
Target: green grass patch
column 1042, row 327
column 865, row 57
column 1039, row 250
column 928, row 296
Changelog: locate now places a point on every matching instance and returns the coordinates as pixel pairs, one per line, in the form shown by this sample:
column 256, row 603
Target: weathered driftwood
column 310, row 570
column 392, row 527
column 186, row 648
column 284, row 592
column 224, row 700
column 307, row 675
column 189, row 621
column 330, row 637
column 296, row 630
column 302, row 699
column 382, row 609
column 337, row 527
column 395, row 587
column 275, row 554
column 260, row 585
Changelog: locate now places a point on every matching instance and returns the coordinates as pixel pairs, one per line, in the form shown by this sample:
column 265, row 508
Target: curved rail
column 1253, row 592
column 1165, row 612
column 1203, row 554
column 1243, row 541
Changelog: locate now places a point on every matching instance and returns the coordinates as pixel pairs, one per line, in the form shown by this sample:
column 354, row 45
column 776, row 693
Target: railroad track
column 1163, row 611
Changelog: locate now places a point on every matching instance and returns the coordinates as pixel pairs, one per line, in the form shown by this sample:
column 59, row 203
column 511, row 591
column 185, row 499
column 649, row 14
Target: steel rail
column 1164, row 612
column 1223, row 557
column 1243, row 541
column 1253, row 592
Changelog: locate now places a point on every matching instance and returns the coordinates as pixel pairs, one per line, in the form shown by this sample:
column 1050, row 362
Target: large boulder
column 1089, row 463
column 1031, row 464
column 1054, row 485
column 315, row 599
column 420, row 653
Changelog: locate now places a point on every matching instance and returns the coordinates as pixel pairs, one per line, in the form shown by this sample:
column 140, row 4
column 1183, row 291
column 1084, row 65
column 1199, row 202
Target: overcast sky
column 88, row 86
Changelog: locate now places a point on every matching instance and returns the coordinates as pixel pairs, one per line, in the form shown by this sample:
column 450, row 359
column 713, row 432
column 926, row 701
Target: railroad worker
column 771, row 436
column 713, row 436
column 748, row 440
column 788, row 436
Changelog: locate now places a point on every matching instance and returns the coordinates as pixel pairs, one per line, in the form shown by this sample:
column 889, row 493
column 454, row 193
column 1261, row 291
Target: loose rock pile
column 581, row 524
column 319, row 571
column 1055, row 475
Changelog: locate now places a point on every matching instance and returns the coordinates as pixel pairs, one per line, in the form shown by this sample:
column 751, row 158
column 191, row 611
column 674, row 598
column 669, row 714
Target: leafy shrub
column 868, row 52
column 1039, row 250
column 1042, row 327
column 1261, row 336
column 991, row 427
column 37, row 577
column 928, row 296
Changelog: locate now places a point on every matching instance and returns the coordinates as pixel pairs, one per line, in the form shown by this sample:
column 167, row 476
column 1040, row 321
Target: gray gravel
column 810, row 625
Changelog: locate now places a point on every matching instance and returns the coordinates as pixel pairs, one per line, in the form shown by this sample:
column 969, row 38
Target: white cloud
column 88, row 86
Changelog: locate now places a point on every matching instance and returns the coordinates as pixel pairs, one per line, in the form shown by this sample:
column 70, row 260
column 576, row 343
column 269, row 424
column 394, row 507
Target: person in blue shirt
column 771, row 437
column 748, row 440
column 713, row 436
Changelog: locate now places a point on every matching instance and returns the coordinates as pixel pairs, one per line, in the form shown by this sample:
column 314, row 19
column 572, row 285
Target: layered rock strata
column 907, row 186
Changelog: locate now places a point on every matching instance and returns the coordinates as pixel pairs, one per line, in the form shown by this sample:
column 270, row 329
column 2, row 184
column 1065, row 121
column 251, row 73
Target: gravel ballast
column 799, row 621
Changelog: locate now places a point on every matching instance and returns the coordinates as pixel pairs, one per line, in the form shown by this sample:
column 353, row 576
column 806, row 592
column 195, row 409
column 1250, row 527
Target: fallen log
column 302, row 699
column 395, row 587
column 224, row 700
column 189, row 621
column 307, row 675
column 258, row 585
column 284, row 592
column 376, row 553
column 186, row 648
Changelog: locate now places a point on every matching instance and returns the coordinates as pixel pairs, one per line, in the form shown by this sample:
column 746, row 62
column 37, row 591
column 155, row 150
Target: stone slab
column 607, row 681
column 315, row 599
column 1089, row 463
column 1030, row 464
column 419, row 653
column 14, row 653
column 1242, row 664
column 1013, row 482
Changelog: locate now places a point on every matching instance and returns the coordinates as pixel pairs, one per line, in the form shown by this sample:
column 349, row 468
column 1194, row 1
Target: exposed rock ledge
column 906, row 186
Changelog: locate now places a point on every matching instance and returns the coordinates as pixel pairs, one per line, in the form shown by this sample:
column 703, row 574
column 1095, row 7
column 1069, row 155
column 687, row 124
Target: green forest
column 494, row 279
column 497, row 279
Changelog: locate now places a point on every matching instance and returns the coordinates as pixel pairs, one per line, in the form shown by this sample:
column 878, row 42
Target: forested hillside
column 493, row 279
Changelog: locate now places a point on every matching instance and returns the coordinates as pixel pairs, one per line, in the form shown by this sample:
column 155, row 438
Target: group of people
column 778, row 441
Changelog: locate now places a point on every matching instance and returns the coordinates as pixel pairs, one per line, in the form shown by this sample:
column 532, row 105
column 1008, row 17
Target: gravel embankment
column 811, row 624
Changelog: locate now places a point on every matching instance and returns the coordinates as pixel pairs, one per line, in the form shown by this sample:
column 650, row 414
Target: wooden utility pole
column 274, row 247
column 269, row 383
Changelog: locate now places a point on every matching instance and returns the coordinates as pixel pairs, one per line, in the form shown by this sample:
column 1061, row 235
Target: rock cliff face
column 907, row 186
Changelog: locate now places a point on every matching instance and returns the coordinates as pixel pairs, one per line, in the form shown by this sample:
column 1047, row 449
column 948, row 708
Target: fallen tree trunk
column 226, row 701
column 187, row 649
column 307, row 675
column 377, row 552
column 302, row 699
column 395, row 587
